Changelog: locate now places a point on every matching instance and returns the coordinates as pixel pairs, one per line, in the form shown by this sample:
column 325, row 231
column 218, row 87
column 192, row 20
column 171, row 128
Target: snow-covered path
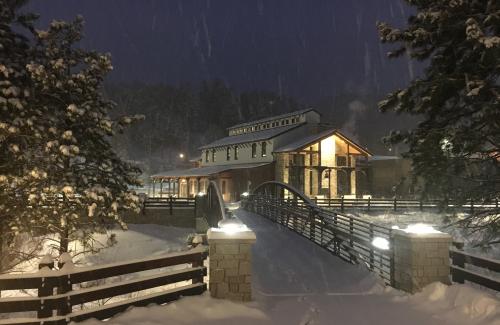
column 299, row 281
column 295, row 282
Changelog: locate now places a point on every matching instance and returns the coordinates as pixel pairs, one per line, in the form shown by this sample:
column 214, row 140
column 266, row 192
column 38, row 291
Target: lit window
column 254, row 150
column 264, row 149
column 213, row 155
column 228, row 153
column 235, row 152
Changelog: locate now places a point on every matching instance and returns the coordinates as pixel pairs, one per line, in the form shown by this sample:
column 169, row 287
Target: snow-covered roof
column 313, row 138
column 204, row 171
column 271, row 118
column 374, row 158
column 250, row 137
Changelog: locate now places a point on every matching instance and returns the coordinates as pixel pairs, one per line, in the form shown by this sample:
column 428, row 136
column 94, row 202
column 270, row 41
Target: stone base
column 420, row 259
column 230, row 266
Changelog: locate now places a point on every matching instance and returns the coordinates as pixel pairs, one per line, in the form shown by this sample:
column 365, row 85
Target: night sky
column 309, row 49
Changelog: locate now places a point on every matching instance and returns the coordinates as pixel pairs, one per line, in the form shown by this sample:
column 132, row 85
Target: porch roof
column 313, row 138
column 204, row 171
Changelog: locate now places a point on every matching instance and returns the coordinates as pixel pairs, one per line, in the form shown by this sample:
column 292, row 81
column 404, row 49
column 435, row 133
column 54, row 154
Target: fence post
column 65, row 284
column 230, row 264
column 496, row 203
column 372, row 256
column 471, row 206
column 351, row 234
column 369, row 203
column 395, row 203
column 420, row 259
column 312, row 224
column 46, row 288
column 457, row 260
column 342, row 203
column 170, row 205
column 421, row 204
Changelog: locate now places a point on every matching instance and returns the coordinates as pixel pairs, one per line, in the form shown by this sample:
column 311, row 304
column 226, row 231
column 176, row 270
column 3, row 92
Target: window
column 283, row 122
column 213, row 155
column 235, row 152
column 228, row 153
column 287, row 121
column 267, row 125
column 254, row 150
column 341, row 161
column 264, row 149
column 206, row 156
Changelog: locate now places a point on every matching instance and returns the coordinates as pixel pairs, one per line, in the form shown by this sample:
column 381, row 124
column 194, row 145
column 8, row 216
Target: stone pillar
column 230, row 264
column 420, row 259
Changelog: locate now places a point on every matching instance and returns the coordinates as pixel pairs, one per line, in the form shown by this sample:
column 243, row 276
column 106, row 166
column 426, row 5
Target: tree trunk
column 64, row 241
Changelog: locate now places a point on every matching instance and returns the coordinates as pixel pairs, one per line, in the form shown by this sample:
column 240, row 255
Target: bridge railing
column 350, row 238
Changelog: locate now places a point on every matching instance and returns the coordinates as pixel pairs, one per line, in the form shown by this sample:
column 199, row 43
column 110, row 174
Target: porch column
column 161, row 188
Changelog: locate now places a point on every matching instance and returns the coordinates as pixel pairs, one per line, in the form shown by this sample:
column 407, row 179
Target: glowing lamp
column 232, row 226
column 421, row 228
column 380, row 243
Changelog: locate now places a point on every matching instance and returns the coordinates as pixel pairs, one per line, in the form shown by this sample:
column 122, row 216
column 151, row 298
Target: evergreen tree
column 85, row 182
column 19, row 134
column 455, row 147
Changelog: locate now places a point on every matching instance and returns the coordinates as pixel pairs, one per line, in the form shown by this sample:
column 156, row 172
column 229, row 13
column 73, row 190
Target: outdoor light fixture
column 380, row 243
column 420, row 228
column 245, row 194
column 201, row 194
column 232, row 226
column 181, row 155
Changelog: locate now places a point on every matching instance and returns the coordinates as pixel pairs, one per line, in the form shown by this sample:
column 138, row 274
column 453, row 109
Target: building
column 294, row 148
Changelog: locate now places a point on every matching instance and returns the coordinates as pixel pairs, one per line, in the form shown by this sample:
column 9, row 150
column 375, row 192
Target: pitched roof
column 308, row 140
column 204, row 171
column 271, row 118
column 251, row 136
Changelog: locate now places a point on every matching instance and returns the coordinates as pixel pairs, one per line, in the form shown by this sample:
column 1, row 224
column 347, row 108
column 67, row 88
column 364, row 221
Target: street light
column 181, row 155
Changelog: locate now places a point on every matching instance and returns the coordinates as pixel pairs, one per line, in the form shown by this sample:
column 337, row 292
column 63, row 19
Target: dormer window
column 213, row 155
column 254, row 150
column 235, row 152
column 228, row 153
column 206, row 156
column 264, row 149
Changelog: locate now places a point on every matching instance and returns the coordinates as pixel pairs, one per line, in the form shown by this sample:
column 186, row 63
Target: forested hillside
column 179, row 119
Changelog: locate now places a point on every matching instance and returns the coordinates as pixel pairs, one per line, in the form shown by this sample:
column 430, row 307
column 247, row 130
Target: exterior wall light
column 380, row 243
column 245, row 194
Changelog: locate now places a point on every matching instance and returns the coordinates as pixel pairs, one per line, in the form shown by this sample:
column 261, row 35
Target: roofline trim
column 243, row 142
column 266, row 119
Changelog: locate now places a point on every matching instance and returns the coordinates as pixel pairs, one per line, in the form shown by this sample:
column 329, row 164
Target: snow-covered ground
column 297, row 282
column 137, row 242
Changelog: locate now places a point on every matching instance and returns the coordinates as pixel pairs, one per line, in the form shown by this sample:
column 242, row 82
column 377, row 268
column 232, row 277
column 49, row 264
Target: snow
column 295, row 281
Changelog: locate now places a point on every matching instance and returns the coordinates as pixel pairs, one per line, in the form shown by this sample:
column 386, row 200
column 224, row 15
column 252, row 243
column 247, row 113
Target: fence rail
column 348, row 237
column 47, row 303
column 169, row 203
column 461, row 270
column 378, row 204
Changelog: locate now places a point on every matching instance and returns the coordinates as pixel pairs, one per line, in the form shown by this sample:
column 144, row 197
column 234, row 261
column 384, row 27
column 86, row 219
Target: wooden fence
column 473, row 268
column 377, row 204
column 169, row 203
column 57, row 308
column 347, row 237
